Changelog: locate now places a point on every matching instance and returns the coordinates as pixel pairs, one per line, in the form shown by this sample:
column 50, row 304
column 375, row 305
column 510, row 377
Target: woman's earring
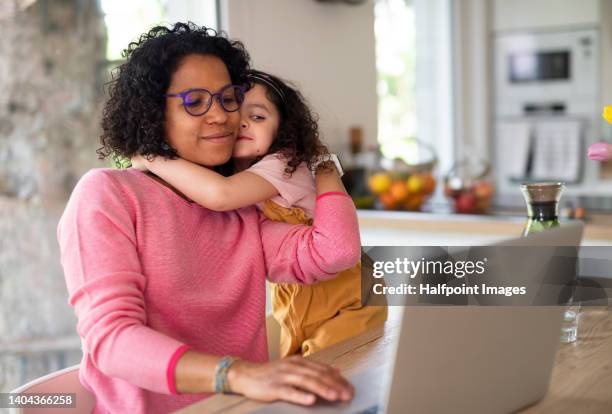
column 165, row 146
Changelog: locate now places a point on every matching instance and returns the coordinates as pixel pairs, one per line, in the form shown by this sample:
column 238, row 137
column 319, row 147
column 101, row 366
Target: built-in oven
column 550, row 72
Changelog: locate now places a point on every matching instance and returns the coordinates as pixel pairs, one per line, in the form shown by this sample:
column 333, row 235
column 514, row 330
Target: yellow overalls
column 315, row 316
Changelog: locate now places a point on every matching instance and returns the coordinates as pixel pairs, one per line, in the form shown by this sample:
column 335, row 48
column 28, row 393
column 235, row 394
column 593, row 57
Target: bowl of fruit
column 469, row 187
column 400, row 185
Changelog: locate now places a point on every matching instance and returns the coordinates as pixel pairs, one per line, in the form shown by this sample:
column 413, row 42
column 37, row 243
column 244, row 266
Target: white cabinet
column 544, row 14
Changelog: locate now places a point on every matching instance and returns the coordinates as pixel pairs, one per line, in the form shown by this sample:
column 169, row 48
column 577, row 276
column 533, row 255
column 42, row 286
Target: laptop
column 462, row 359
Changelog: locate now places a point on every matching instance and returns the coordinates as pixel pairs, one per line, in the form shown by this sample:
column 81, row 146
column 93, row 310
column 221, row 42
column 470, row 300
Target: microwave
column 546, row 73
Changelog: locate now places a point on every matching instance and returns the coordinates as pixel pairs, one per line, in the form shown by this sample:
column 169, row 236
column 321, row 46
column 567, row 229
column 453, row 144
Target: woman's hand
column 600, row 151
column 294, row 379
column 140, row 163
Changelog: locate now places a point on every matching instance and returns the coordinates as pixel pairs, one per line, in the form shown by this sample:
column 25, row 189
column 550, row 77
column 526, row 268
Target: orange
column 379, row 183
column 415, row 184
column 388, row 201
column 414, row 202
column 399, row 191
column 429, row 183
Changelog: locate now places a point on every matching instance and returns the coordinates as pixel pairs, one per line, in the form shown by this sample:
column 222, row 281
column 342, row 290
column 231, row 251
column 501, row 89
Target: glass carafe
column 542, row 206
column 543, row 213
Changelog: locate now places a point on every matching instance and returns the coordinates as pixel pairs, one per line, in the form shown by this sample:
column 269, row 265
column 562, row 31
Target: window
column 394, row 29
column 415, row 88
column 126, row 20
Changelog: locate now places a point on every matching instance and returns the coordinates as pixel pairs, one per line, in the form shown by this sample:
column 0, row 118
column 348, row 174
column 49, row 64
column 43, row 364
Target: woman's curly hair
column 133, row 116
column 297, row 139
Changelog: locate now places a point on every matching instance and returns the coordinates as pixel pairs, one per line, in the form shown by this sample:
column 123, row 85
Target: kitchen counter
column 379, row 227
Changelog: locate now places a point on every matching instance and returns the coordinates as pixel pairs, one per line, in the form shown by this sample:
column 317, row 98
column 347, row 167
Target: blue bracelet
column 221, row 383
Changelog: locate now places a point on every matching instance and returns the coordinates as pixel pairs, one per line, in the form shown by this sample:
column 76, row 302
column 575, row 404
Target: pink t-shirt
column 297, row 190
column 150, row 274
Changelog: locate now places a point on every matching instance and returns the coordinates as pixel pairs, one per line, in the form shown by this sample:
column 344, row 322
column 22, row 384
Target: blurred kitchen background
column 438, row 109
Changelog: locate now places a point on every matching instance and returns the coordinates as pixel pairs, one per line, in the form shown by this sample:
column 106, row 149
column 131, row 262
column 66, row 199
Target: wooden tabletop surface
column 581, row 379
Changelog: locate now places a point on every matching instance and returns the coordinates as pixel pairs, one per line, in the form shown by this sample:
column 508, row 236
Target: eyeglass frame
column 219, row 96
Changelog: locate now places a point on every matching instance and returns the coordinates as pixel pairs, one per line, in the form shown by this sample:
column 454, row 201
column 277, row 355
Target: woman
column 167, row 292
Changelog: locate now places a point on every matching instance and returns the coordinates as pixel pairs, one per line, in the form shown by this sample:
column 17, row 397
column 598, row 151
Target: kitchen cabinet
column 544, row 14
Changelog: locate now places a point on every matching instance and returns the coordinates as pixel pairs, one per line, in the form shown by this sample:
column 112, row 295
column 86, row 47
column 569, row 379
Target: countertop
column 501, row 224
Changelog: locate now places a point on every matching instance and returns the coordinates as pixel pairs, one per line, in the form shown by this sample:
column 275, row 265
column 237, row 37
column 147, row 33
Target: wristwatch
column 327, row 158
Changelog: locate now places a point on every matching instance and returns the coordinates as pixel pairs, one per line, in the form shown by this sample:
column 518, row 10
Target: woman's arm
column 207, row 187
column 307, row 254
column 99, row 254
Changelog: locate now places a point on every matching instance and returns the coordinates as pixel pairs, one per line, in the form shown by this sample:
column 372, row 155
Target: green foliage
column 117, row 161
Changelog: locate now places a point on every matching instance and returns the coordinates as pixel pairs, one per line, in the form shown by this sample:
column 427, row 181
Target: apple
column 483, row 189
column 453, row 187
column 466, row 203
column 451, row 192
column 483, row 204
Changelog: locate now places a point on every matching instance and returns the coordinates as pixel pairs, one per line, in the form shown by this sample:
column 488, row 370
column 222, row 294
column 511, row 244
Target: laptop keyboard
column 370, row 410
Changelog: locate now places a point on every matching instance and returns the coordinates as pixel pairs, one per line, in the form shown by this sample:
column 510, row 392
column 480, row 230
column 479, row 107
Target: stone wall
column 51, row 73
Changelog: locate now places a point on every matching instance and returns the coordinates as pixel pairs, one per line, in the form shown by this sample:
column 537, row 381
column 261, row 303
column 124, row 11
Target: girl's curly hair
column 133, row 116
column 297, row 139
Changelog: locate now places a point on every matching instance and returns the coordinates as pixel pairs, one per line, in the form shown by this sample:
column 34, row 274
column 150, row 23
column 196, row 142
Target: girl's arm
column 328, row 179
column 207, row 187
column 308, row 254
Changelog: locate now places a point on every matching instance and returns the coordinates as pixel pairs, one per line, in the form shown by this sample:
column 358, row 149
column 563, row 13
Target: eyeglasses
column 198, row 101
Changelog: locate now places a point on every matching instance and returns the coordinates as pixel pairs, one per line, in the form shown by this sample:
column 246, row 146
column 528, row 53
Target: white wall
column 326, row 49
column 201, row 12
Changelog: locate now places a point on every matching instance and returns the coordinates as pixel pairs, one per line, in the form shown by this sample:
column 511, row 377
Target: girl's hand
column 293, row 379
column 600, row 151
column 140, row 163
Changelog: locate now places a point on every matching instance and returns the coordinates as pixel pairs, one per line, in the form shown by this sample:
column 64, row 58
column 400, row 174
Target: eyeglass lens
column 198, row 102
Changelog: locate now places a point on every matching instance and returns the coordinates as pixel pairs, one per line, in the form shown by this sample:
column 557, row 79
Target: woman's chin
column 211, row 160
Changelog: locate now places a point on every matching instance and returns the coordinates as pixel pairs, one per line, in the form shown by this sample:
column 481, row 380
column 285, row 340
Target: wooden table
column 581, row 379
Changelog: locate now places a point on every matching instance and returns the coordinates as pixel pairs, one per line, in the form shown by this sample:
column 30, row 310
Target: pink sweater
column 150, row 275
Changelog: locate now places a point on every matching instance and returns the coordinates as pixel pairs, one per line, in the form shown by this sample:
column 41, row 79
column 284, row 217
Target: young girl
column 277, row 148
